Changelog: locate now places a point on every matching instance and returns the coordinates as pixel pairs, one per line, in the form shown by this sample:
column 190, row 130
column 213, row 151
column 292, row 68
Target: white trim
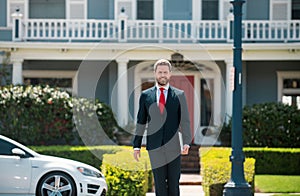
column 17, row 71
column 25, row 3
column 53, row 74
column 117, row 11
column 281, row 75
column 74, row 2
column 122, row 91
column 196, row 9
column 222, row 11
column 197, row 104
column 288, row 11
column 158, row 9
column 228, row 103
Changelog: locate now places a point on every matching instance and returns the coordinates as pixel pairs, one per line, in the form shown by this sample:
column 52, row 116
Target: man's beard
column 162, row 82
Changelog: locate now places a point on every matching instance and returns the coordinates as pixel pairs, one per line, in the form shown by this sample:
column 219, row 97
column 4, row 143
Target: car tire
column 65, row 185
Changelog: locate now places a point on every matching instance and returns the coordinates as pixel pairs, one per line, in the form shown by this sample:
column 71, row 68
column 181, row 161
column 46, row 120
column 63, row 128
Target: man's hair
column 162, row 62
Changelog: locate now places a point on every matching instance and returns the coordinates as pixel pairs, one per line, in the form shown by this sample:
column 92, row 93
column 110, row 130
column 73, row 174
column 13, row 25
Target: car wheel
column 56, row 184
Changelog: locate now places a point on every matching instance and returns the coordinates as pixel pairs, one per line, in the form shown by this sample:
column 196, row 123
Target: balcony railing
column 123, row 30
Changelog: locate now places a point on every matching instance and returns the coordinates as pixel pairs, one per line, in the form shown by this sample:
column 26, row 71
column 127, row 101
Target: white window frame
column 281, row 75
column 54, row 74
column 288, row 11
column 25, row 4
column 222, row 11
column 74, row 2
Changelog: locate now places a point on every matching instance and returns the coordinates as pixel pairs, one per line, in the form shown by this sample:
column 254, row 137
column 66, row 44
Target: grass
column 287, row 194
column 277, row 184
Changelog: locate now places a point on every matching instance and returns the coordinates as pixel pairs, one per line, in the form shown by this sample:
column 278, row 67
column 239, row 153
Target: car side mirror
column 18, row 152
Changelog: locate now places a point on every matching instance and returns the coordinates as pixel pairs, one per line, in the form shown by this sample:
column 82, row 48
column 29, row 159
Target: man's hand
column 137, row 154
column 185, row 149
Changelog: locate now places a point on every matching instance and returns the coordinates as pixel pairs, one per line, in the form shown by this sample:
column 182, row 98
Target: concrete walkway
column 196, row 190
column 190, row 185
column 187, row 190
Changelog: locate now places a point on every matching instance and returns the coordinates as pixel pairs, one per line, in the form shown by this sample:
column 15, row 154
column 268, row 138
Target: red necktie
column 162, row 100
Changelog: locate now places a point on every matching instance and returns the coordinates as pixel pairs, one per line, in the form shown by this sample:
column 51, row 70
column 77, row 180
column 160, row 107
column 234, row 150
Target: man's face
column 162, row 74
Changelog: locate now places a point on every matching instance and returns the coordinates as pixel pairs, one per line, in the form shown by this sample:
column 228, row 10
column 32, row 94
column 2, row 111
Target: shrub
column 216, row 168
column 271, row 125
column 125, row 176
column 40, row 115
column 277, row 161
column 85, row 154
column 268, row 125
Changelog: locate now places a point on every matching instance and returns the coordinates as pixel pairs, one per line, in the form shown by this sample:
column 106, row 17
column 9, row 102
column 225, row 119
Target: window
column 295, row 9
column 62, row 79
column 145, row 9
column 291, row 91
column 289, row 88
column 177, row 9
column 206, row 101
column 47, row 9
column 6, row 147
column 65, row 83
column 210, row 9
column 280, row 9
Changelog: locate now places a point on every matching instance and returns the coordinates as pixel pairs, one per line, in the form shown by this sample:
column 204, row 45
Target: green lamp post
column 237, row 186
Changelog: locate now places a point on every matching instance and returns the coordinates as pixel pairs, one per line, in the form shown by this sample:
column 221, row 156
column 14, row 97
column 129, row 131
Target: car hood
column 59, row 160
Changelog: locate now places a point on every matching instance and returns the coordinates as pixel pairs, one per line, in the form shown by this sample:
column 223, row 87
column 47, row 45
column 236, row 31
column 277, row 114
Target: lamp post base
column 234, row 189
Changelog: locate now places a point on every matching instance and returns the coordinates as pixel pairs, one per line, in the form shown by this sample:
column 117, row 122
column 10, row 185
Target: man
column 163, row 109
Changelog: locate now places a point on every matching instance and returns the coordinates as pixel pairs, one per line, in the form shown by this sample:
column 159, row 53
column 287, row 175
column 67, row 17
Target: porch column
column 17, row 77
column 229, row 86
column 122, row 84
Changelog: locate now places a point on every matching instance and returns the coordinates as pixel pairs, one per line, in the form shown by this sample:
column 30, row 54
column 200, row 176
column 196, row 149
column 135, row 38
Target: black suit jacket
column 162, row 129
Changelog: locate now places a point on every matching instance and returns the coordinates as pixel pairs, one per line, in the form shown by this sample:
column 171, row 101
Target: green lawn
column 277, row 184
column 286, row 194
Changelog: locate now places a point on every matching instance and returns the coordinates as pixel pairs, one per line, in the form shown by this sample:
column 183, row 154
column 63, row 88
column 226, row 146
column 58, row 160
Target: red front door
column 186, row 83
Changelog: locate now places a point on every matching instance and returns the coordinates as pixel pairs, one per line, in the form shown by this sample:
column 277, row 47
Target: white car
column 25, row 172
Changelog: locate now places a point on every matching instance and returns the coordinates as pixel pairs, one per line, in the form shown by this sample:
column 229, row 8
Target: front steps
column 190, row 164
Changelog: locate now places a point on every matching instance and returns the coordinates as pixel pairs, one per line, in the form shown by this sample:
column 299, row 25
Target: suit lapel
column 153, row 94
column 169, row 97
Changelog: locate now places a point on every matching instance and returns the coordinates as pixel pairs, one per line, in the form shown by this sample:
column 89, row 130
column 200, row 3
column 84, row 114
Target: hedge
column 125, row 176
column 267, row 125
column 279, row 161
column 216, row 168
column 92, row 155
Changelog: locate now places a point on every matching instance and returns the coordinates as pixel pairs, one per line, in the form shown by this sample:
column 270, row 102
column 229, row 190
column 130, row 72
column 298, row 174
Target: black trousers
column 166, row 171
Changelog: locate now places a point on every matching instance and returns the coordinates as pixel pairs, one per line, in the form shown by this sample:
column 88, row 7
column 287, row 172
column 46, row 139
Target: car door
column 15, row 171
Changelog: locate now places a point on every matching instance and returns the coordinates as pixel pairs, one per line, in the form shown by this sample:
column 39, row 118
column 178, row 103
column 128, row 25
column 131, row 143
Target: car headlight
column 89, row 172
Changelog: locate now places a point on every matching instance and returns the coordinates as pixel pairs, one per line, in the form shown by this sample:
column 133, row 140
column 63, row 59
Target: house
column 105, row 49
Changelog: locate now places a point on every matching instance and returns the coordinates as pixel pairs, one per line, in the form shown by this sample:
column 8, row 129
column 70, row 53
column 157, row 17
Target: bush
column 85, row 154
column 40, row 115
column 216, row 168
column 277, row 161
column 268, row 125
column 271, row 125
column 125, row 176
